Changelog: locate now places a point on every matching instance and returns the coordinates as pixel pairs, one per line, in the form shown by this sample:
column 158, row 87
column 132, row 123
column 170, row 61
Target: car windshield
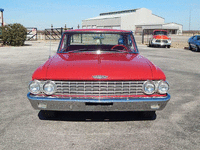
column 103, row 42
column 160, row 33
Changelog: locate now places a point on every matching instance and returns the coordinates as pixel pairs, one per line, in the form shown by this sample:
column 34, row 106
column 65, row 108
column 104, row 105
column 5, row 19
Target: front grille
column 99, row 88
column 162, row 41
column 158, row 41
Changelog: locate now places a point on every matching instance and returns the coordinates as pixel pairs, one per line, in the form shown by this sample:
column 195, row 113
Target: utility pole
column 50, row 40
column 189, row 19
column 2, row 16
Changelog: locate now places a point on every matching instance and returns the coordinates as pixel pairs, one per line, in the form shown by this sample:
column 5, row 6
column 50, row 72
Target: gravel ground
column 22, row 127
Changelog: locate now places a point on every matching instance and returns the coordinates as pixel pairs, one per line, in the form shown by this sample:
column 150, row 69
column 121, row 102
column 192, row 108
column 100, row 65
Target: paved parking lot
column 176, row 127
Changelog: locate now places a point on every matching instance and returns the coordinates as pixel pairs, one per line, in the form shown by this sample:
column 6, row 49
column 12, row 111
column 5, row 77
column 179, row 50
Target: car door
column 198, row 39
column 193, row 41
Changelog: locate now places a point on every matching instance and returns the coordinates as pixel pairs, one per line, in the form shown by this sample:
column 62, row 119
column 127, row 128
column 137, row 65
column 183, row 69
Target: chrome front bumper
column 161, row 43
column 72, row 104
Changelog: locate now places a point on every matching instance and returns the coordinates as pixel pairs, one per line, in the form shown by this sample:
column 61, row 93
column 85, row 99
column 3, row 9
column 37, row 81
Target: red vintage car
column 160, row 38
column 98, row 70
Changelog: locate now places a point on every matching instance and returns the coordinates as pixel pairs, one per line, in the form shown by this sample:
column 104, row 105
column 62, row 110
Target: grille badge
column 100, row 77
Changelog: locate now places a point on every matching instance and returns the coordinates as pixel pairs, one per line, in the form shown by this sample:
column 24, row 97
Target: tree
column 14, row 34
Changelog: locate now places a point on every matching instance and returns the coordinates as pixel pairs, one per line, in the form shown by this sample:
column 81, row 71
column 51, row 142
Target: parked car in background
column 194, row 43
column 160, row 38
column 98, row 70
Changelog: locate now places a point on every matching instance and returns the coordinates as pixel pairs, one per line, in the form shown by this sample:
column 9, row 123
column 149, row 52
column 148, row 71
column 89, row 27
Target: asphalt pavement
column 174, row 128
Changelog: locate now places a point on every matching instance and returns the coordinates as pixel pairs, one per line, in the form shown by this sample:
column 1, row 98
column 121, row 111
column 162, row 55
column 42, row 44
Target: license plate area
column 98, row 104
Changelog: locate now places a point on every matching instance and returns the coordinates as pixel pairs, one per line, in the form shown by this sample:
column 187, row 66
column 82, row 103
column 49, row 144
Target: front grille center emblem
column 100, row 77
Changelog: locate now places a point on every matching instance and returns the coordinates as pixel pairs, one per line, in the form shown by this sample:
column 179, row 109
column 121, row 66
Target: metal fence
column 54, row 33
column 31, row 34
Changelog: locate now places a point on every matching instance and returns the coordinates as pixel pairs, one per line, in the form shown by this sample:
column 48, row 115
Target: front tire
column 150, row 44
column 190, row 48
column 168, row 46
column 197, row 48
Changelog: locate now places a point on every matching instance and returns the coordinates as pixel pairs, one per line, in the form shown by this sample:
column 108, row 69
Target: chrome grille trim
column 162, row 41
column 99, row 88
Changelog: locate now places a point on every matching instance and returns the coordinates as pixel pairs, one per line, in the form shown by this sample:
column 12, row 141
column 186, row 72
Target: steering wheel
column 119, row 46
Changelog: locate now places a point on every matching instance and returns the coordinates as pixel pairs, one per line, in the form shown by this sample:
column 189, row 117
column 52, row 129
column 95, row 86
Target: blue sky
column 43, row 13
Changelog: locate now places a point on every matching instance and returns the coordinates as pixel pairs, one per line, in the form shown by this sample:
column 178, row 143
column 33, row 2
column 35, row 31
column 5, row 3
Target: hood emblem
column 100, row 77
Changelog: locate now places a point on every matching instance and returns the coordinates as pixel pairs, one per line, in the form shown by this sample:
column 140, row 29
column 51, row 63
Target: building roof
column 158, row 16
column 173, row 23
column 158, row 24
column 115, row 14
column 1, row 9
column 119, row 12
column 106, row 16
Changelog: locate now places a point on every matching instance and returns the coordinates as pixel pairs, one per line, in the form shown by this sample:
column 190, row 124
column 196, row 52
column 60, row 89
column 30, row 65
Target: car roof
column 98, row 30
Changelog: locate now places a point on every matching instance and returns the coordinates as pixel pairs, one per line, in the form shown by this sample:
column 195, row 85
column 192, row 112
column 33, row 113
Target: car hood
column 84, row 66
column 160, row 37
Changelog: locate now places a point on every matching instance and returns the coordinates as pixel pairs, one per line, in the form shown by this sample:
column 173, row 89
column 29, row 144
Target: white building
column 136, row 20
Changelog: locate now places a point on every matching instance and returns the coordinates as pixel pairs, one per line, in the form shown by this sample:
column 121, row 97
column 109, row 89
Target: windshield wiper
column 78, row 50
column 104, row 50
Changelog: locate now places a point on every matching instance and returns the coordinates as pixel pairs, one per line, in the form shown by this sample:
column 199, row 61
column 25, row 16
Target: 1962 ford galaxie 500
column 98, row 70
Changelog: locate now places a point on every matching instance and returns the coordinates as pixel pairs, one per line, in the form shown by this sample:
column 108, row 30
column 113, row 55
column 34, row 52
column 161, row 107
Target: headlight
column 163, row 87
column 49, row 88
column 34, row 87
column 148, row 87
